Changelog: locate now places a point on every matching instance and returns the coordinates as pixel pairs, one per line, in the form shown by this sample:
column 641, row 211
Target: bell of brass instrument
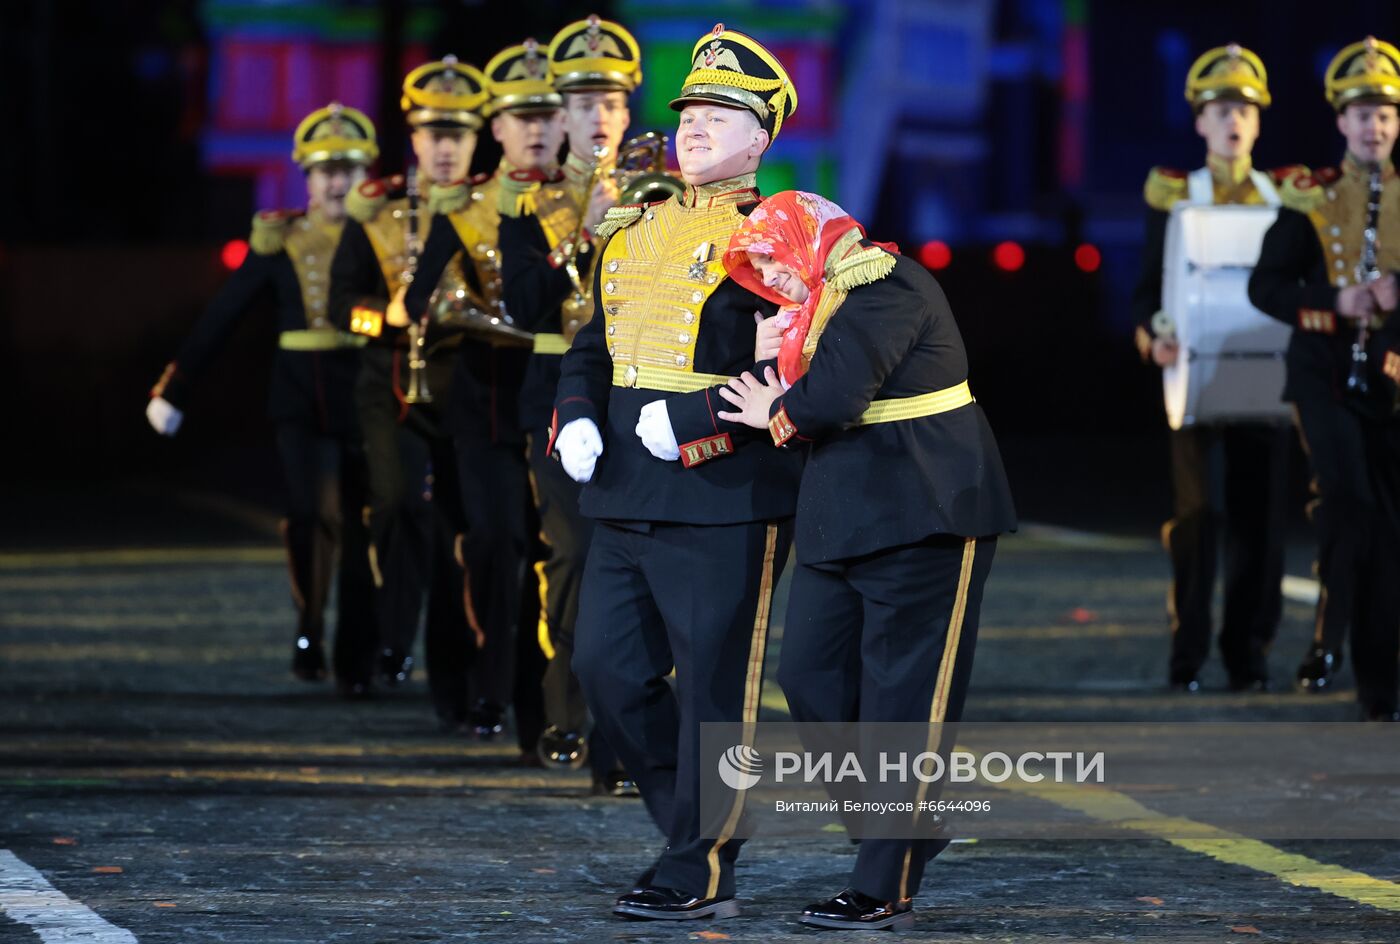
column 580, row 280
column 417, row 391
column 640, row 170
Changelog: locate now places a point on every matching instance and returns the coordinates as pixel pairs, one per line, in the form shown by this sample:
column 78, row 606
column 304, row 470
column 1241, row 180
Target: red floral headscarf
column 797, row 229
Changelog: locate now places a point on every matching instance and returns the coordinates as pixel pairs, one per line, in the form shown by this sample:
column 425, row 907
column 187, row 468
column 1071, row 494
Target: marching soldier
column 498, row 546
column 406, row 396
column 692, row 516
column 311, row 399
column 1227, row 88
column 1328, row 268
column 547, row 257
column 883, row 611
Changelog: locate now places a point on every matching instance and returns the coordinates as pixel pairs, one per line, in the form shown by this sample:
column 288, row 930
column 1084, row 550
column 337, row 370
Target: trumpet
column 417, row 391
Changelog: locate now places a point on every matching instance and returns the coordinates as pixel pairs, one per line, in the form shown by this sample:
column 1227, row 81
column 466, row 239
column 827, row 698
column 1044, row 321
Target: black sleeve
column 356, row 279
column 442, row 244
column 1147, row 292
column 533, row 288
column 251, row 279
column 866, row 339
column 1285, row 280
column 585, row 375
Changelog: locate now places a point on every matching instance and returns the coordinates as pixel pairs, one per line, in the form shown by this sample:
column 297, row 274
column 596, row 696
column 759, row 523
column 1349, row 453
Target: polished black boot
column 566, row 749
column 395, row 667
column 855, row 911
column 1185, row 683
column 487, row 720
column 669, row 904
column 615, row 783
column 308, row 659
column 1316, row 670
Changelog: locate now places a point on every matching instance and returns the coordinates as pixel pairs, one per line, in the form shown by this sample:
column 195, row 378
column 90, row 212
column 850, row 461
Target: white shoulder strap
column 1200, row 188
column 1266, row 188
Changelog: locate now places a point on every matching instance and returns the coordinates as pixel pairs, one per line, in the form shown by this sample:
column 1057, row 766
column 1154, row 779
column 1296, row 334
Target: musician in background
column 414, row 509
column 1328, row 268
column 500, row 541
column 311, row 397
column 1227, row 87
column 547, row 258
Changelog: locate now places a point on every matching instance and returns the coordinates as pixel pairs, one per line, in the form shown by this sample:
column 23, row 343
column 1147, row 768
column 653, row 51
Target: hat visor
column 712, row 98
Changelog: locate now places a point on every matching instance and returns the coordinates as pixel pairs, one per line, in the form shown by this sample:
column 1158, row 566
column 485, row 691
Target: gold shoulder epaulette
column 363, row 203
column 269, row 231
column 1165, row 188
column 619, row 218
column 517, row 193
column 1287, row 172
column 870, row 264
column 1306, row 192
column 449, row 198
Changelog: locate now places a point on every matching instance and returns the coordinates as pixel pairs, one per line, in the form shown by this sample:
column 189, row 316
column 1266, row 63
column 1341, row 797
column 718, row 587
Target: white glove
column 579, row 445
column 654, row 430
column 163, row 416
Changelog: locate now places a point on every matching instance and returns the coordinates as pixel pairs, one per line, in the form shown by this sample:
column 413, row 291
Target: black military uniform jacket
column 539, row 294
column 665, row 306
column 1306, row 258
column 487, row 378
column 887, row 484
column 290, row 255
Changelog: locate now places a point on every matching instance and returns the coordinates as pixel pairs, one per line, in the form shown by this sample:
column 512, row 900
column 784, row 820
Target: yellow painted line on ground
column 136, row 556
column 1110, row 806
column 20, row 746
column 142, row 655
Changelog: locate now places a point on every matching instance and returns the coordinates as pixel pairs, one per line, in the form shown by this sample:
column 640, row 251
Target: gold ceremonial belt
column 908, row 408
column 663, row 378
column 550, row 344
column 319, row 339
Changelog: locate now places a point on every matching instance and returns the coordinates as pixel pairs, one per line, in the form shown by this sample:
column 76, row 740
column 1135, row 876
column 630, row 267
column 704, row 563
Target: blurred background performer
column 693, row 515
column 547, row 258
column 311, row 396
column 1329, row 270
column 882, row 617
column 500, row 541
column 1227, row 88
column 414, row 510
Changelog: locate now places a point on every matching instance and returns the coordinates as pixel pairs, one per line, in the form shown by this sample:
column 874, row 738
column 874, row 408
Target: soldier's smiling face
column 714, row 142
column 1229, row 127
column 1370, row 129
column 327, row 183
column 781, row 278
column 444, row 154
column 595, row 119
column 530, row 139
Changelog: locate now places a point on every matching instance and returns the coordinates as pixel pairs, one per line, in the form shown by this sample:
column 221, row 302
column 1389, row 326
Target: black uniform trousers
column 886, row 637
column 327, row 489
column 1356, row 474
column 415, row 517
column 1252, row 461
column 695, row 598
column 567, row 534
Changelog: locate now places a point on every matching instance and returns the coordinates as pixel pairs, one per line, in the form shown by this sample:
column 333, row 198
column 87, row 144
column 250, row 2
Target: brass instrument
column 417, row 391
column 571, row 262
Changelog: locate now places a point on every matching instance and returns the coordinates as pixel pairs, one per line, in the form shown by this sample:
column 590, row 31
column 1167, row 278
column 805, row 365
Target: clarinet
column 417, row 391
column 1366, row 271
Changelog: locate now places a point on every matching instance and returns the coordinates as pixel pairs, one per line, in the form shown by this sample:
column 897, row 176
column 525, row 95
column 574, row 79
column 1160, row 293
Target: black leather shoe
column 395, row 667
column 1316, row 670
column 615, row 783
column 1185, row 683
column 1249, row 683
column 643, row 881
column 308, row 660
column 566, row 749
column 856, row 911
column 668, row 904
column 487, row 720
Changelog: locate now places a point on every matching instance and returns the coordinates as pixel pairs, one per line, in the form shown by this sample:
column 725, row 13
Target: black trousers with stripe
column 696, row 599
column 886, row 637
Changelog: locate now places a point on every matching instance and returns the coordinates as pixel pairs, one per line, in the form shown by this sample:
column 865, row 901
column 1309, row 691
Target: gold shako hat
column 444, row 94
column 1230, row 73
column 518, row 79
column 595, row 55
column 334, row 133
column 1364, row 71
column 732, row 69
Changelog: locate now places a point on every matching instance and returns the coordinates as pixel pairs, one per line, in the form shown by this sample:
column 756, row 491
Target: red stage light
column 1008, row 256
column 935, row 254
column 1087, row 257
column 233, row 253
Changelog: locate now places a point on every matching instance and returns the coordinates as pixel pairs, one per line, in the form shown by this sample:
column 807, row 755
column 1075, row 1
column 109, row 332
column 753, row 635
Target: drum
column 1230, row 368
